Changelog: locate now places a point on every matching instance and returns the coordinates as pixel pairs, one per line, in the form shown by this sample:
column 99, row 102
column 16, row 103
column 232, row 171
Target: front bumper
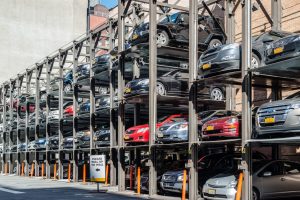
column 137, row 91
column 218, row 68
column 172, row 186
column 219, row 193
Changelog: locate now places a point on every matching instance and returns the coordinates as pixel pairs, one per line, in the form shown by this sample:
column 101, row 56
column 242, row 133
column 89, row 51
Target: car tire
column 160, row 89
column 255, row 61
column 216, row 94
column 255, row 194
column 214, row 43
column 68, row 88
column 162, row 38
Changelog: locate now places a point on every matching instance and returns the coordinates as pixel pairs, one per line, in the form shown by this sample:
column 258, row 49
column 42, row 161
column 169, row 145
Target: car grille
column 216, row 186
column 215, row 195
column 282, row 42
column 169, row 178
column 130, row 131
column 163, row 128
column 278, row 112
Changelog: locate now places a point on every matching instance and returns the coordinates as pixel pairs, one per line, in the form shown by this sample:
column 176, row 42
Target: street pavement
column 25, row 188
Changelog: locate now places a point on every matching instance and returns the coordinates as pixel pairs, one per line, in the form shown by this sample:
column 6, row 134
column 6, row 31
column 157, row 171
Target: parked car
column 225, row 127
column 53, row 142
column 1, row 148
column 67, row 82
column 68, row 111
column 102, row 63
column 173, row 30
column 54, row 114
column 227, row 58
column 40, row 144
column 284, row 50
column 83, row 139
column 140, row 133
column 85, row 107
column 271, row 179
column 174, row 82
column 22, row 147
column 279, row 117
column 31, row 146
column 208, row 166
column 102, row 137
column 67, row 142
column 82, row 71
column 178, row 131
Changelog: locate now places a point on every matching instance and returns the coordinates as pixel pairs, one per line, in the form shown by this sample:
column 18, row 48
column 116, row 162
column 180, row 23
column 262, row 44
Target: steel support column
column 276, row 10
column 76, row 53
column 193, row 127
column 246, row 98
column 113, row 131
column 47, row 67
column 121, row 85
column 11, row 124
column 152, row 96
column 37, row 115
column 60, row 111
column 3, row 100
column 28, row 79
column 18, row 120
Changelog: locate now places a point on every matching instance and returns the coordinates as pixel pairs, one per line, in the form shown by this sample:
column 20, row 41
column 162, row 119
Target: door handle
column 282, row 179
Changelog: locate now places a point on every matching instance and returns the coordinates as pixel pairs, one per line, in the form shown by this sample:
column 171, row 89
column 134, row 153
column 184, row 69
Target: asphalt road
column 21, row 188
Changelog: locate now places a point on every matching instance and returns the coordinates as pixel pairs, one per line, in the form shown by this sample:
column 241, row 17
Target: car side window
column 291, row 168
column 275, row 169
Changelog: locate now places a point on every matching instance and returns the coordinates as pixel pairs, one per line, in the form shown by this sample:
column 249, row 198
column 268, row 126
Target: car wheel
column 255, row 61
column 160, row 89
column 216, row 94
column 68, row 88
column 162, row 38
column 214, row 43
column 255, row 194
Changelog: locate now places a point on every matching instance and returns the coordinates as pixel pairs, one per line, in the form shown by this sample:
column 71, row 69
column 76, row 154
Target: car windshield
column 203, row 115
column 162, row 119
column 294, row 96
column 172, row 18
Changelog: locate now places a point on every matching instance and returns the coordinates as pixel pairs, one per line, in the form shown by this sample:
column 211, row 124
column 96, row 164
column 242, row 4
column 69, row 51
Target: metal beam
column 121, row 85
column 246, row 98
column 47, row 67
column 60, row 111
column 152, row 97
column 261, row 5
column 276, row 12
column 172, row 6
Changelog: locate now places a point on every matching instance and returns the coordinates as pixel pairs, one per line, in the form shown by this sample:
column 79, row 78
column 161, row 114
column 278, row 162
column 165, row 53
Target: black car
column 102, row 137
column 227, row 58
column 53, row 142
column 174, row 82
column 173, row 30
column 82, row 71
column 282, row 50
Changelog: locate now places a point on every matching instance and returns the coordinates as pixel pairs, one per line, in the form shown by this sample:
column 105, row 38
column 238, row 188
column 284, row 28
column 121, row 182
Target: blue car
column 68, row 81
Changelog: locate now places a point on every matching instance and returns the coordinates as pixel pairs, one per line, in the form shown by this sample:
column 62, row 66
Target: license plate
column 210, row 128
column 127, row 90
column 212, row 191
column 135, row 36
column 269, row 120
column 278, row 50
column 206, row 66
column 160, row 135
column 168, row 184
column 126, row 137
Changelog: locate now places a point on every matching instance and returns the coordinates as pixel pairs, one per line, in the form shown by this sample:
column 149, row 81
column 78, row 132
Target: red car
column 68, row 111
column 140, row 133
column 31, row 108
column 222, row 127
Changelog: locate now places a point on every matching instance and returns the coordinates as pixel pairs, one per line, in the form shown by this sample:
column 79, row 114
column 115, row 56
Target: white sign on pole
column 97, row 168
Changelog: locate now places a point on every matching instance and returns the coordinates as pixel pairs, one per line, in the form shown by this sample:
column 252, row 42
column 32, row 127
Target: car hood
column 177, row 173
column 281, row 103
column 222, row 180
column 138, row 127
column 284, row 41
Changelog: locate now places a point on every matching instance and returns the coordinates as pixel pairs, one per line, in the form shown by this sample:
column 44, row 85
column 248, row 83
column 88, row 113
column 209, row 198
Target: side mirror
column 181, row 20
column 178, row 75
column 267, row 174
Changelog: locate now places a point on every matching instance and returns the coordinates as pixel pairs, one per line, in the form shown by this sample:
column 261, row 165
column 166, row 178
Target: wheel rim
column 254, row 196
column 160, row 89
column 68, row 88
column 216, row 94
column 161, row 39
column 254, row 62
column 216, row 44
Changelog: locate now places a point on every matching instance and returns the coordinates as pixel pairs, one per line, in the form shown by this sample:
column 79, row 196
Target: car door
column 182, row 25
column 291, row 178
column 270, row 180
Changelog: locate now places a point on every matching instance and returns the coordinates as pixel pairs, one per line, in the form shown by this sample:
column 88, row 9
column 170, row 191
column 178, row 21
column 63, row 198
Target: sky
column 109, row 3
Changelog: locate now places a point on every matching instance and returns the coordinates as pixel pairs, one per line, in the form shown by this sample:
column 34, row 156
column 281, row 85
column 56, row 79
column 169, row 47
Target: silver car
column 271, row 179
column 279, row 117
column 173, row 132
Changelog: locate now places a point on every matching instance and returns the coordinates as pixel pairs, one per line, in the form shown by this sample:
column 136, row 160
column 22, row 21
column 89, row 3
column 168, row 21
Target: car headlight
column 181, row 126
column 230, row 46
column 180, row 178
column 296, row 106
column 232, row 184
column 142, row 130
column 296, row 39
column 232, row 120
column 143, row 82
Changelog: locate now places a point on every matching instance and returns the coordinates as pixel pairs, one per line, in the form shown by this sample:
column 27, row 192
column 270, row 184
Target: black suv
column 174, row 30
